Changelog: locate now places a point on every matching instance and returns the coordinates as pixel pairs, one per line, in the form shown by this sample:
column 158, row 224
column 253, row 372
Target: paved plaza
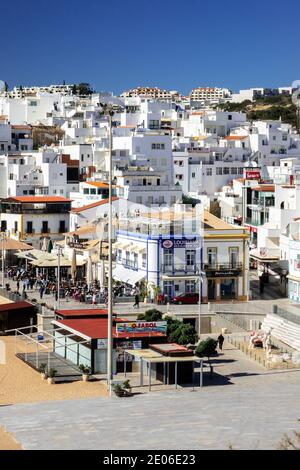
column 245, row 407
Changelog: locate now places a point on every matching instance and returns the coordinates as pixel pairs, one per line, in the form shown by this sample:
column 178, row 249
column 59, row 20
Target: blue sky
column 172, row 44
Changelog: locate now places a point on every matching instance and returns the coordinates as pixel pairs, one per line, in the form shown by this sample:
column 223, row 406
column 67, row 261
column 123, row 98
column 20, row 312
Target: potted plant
column 43, row 370
column 51, row 375
column 86, row 370
column 118, row 389
column 127, row 388
column 122, row 390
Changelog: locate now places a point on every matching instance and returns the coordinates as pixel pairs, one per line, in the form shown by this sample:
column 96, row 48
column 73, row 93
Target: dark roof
column 10, row 307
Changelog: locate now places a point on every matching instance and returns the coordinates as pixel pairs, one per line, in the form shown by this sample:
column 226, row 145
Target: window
column 153, row 124
column 234, row 170
column 139, row 200
column 233, row 256
column 226, row 170
column 144, row 260
column 190, row 287
column 93, row 191
column 45, row 226
column 212, row 257
column 179, row 177
column 193, row 175
column 168, row 256
column 119, row 255
column 29, row 227
column 241, row 171
column 25, row 192
column 219, row 171
column 82, row 157
column 62, row 226
column 86, row 191
column 229, row 117
column 162, row 146
column 208, row 171
column 190, row 257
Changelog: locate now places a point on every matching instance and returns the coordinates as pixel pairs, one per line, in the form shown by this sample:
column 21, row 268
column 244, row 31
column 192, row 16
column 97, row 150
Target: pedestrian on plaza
column 18, row 285
column 94, row 299
column 41, row 292
column 136, row 301
column 221, row 341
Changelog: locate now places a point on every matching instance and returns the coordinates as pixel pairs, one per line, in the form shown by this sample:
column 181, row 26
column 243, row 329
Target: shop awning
column 122, row 274
column 265, row 257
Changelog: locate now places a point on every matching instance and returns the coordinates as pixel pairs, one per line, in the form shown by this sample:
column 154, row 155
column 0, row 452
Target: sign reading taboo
column 141, row 327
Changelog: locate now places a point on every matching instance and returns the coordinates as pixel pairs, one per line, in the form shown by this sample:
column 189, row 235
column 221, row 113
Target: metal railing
column 292, row 317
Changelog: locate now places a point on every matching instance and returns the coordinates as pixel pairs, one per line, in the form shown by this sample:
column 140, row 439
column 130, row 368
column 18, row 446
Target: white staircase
column 284, row 330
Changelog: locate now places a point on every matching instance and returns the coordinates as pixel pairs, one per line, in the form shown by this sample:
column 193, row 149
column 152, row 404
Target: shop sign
column 187, row 243
column 263, row 252
column 79, row 246
column 167, row 244
column 141, row 327
column 252, row 174
column 225, row 273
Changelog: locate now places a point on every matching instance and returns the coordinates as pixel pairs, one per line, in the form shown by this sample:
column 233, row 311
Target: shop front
column 222, row 285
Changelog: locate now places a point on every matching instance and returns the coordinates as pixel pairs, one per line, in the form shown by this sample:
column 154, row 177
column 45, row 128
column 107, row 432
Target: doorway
column 211, row 289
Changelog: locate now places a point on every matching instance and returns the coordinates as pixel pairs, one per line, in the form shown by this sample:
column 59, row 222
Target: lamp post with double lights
column 107, row 110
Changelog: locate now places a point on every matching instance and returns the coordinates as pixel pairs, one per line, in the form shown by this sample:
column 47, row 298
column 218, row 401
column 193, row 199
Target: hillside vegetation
column 270, row 108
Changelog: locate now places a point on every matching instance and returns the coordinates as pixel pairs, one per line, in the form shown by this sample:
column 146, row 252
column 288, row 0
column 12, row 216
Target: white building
column 166, row 250
column 31, row 218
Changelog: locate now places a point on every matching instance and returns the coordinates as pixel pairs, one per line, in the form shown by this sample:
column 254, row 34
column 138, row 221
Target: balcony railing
column 180, row 268
column 127, row 263
column 222, row 266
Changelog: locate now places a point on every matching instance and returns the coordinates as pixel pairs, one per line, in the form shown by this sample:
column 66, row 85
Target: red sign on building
column 252, row 174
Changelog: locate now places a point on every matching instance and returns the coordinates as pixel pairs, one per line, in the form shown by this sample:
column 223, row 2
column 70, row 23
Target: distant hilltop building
column 253, row 94
column 20, row 92
column 152, row 93
column 209, row 94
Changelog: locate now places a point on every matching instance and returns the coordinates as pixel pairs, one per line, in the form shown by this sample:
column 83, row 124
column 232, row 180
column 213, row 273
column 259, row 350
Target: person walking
column 221, row 341
column 94, row 300
column 41, row 292
column 18, row 285
column 136, row 301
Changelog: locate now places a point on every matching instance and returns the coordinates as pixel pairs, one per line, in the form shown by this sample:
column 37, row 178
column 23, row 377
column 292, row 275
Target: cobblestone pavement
column 245, row 408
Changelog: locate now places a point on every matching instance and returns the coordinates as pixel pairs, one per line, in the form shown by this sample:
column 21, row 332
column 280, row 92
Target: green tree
column 151, row 315
column 84, row 89
column 207, row 348
column 183, row 334
column 74, row 90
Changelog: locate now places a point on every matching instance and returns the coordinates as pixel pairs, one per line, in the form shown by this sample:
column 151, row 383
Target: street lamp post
column 58, row 275
column 107, row 110
column 2, row 246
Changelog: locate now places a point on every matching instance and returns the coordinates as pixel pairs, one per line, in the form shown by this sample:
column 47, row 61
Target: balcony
column 180, row 268
column 222, row 266
column 131, row 264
